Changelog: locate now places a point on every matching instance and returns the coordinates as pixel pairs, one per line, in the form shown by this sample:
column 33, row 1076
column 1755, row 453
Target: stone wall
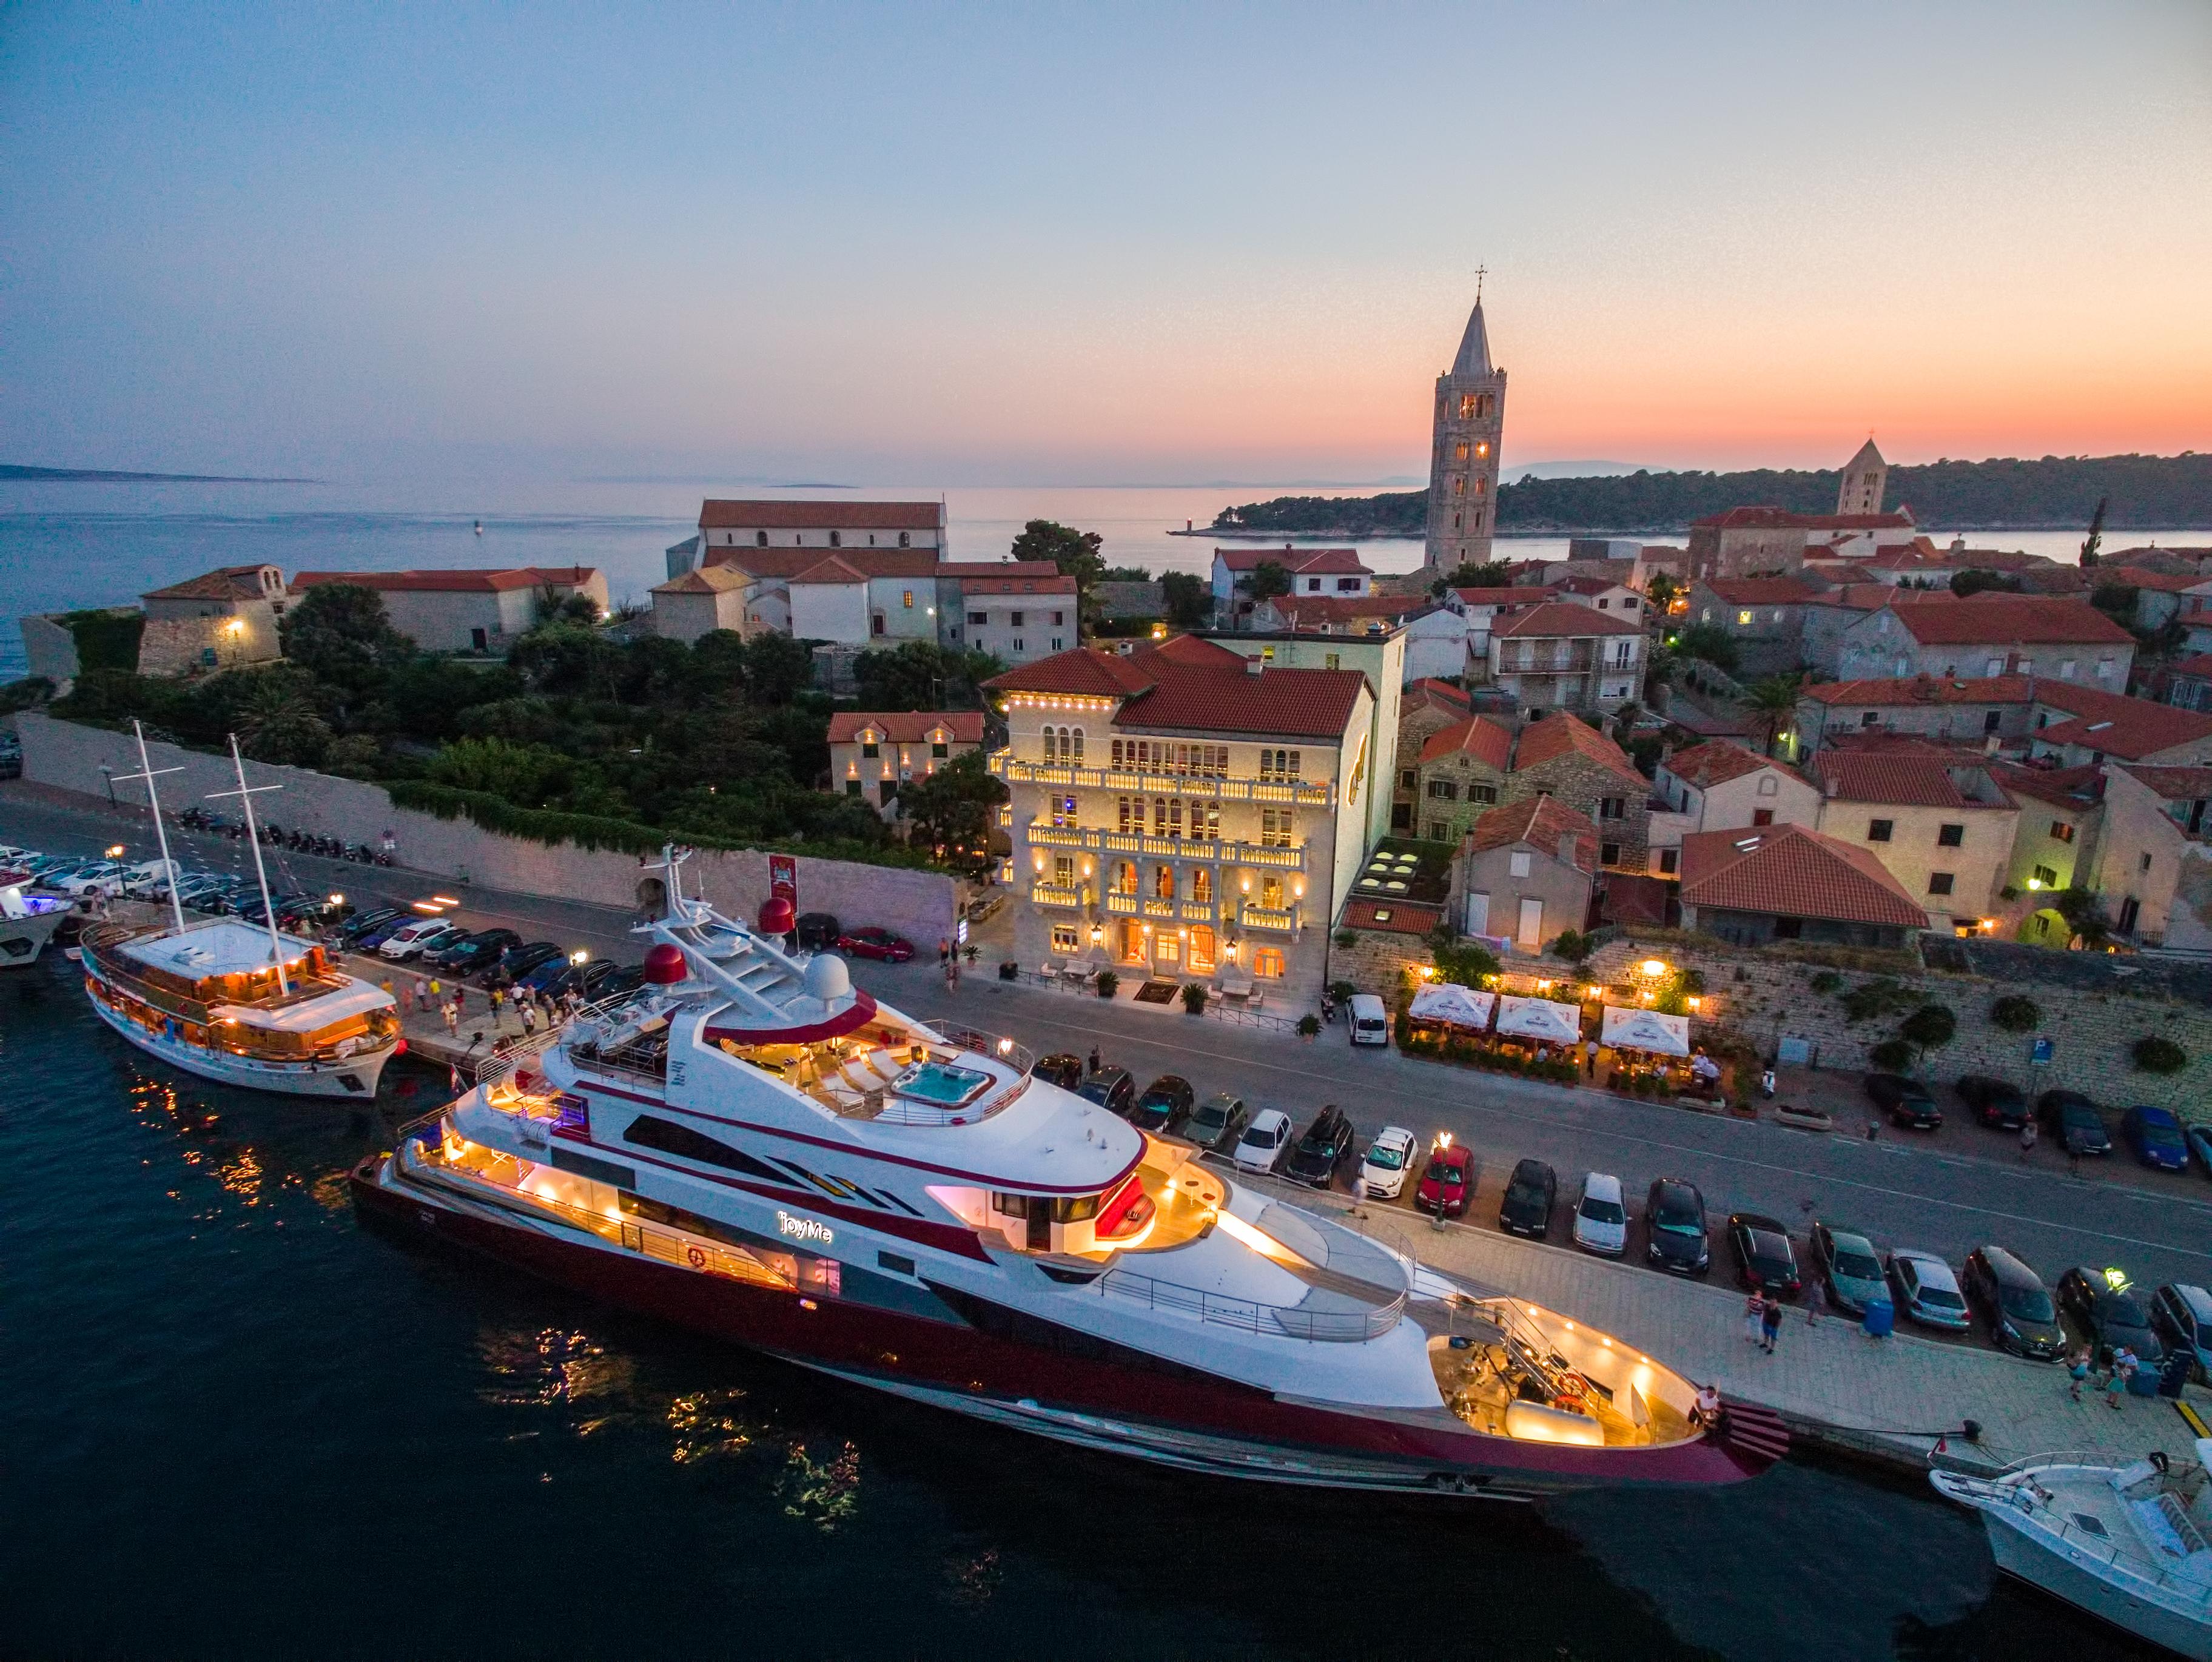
column 919, row 905
column 1766, row 996
column 1378, row 962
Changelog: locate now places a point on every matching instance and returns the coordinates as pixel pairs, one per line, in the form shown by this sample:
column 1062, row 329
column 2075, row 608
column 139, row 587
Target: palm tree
column 1774, row 703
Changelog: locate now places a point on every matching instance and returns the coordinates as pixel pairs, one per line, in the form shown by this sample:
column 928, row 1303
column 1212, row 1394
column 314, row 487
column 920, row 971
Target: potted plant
column 1309, row 1025
column 1193, row 999
column 1108, row 982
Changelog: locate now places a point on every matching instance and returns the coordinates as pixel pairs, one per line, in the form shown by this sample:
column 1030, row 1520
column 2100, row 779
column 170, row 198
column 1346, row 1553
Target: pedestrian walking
column 2078, row 1370
column 1589, row 1058
column 943, row 952
column 2116, row 1387
column 529, row 1015
column 1754, row 1313
column 453, row 1019
column 2027, row 1137
column 437, row 990
column 1769, row 1324
column 422, row 995
column 461, row 997
column 1094, row 1058
column 495, row 997
column 1816, row 1299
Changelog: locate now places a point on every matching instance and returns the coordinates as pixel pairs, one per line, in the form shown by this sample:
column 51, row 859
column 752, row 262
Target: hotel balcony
column 1297, row 793
column 1284, row 922
column 1119, row 904
column 1043, row 835
column 1045, row 893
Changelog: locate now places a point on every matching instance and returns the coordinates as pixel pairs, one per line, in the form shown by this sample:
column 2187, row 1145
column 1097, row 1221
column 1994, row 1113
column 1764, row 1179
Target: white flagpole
column 169, row 873
column 245, row 796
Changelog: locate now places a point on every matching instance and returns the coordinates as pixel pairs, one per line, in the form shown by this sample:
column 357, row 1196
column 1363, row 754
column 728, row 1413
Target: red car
column 1447, row 1181
column 877, row 943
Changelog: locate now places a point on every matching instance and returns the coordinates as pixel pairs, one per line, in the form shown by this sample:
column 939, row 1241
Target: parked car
column 412, row 942
column 2108, row 1312
column 873, row 942
column 1111, row 1089
column 1530, row 1194
column 1906, row 1100
column 2154, row 1135
column 1218, row 1122
column 1601, row 1216
column 195, row 891
column 1165, row 1105
column 1326, row 1145
column 2022, row 1317
column 150, row 879
column 1447, row 1182
column 1370, row 1020
column 2182, row 1315
column 1263, row 1142
column 373, row 940
column 1994, row 1102
column 1850, row 1267
column 817, row 931
column 2073, row 1118
column 2199, row 1145
column 90, row 880
column 1674, row 1223
column 627, row 978
column 1926, row 1289
column 518, row 962
column 1383, row 1169
column 1061, row 1069
column 1764, row 1259
column 478, row 951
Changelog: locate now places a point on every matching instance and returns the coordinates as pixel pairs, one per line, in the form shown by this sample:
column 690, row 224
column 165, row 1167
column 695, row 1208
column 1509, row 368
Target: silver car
column 1927, row 1290
column 1851, row 1267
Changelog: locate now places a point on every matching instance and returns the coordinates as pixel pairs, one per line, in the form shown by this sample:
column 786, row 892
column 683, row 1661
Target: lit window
column 910, row 600
column 1063, row 938
column 1743, row 620
column 1269, row 962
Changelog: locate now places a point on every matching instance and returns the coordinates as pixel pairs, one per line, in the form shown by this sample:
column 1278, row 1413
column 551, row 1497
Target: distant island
column 103, row 476
column 2144, row 493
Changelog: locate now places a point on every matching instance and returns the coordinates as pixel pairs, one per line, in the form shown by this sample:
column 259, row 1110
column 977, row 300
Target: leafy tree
column 1075, row 553
column 952, row 811
column 777, row 667
column 527, row 775
column 1491, row 574
column 277, row 722
column 356, row 755
column 2157, row 1055
column 1772, row 702
column 1977, row 580
column 1265, row 581
column 1883, row 996
column 2095, row 539
column 554, row 607
column 2084, row 914
column 1189, row 599
column 565, row 657
column 340, row 634
column 1927, row 1028
column 1890, row 1055
column 1464, row 961
column 2015, row 1014
column 717, row 665
column 921, row 675
column 2115, row 598
column 1660, row 591
column 1711, row 643
column 1575, row 947
column 428, row 697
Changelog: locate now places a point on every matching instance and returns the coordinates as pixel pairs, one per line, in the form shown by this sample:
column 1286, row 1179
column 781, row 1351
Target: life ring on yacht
column 697, row 1256
column 1572, row 1387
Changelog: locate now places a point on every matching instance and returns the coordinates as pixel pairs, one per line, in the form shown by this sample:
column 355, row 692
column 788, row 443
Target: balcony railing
column 1283, row 922
column 1159, row 908
column 1045, row 893
column 1296, row 793
column 1121, row 905
column 1198, row 911
column 1043, row 835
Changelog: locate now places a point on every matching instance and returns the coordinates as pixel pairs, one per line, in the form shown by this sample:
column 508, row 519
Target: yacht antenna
column 147, row 771
column 246, row 795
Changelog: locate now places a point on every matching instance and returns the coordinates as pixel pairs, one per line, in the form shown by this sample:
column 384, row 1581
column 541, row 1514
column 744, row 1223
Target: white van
column 1370, row 1022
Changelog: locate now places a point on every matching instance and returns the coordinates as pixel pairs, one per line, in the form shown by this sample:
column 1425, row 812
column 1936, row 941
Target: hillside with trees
column 2054, row 492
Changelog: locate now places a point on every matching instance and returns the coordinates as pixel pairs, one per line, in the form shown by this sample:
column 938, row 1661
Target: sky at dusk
column 952, row 246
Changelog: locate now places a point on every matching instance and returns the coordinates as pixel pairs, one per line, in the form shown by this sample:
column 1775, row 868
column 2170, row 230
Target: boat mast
column 169, row 873
column 246, row 795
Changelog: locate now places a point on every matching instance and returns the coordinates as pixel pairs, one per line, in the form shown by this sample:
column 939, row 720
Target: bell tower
column 1470, row 420
column 1866, row 479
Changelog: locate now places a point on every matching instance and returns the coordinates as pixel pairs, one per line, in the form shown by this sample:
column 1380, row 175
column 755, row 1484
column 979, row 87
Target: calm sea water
column 234, row 1424
column 65, row 545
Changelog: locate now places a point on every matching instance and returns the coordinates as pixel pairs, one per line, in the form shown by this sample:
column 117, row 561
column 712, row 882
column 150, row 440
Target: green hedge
column 552, row 828
column 105, row 639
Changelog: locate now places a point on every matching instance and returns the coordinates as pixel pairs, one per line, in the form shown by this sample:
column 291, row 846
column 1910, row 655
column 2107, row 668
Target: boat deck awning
column 308, row 1015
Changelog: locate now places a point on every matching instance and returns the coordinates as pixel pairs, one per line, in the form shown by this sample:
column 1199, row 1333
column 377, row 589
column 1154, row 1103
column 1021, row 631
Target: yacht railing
column 2037, row 1506
column 1329, row 1327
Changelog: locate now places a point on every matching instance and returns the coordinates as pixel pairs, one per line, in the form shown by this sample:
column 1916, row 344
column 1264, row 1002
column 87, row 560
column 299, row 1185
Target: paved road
column 1903, row 1191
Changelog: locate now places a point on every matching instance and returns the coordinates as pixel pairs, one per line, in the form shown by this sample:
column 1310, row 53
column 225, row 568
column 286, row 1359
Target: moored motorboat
column 2127, row 1543
column 750, row 1145
column 27, row 921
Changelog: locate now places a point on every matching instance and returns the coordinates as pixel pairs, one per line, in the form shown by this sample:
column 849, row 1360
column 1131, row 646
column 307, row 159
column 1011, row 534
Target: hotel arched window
column 1268, row 960
column 1125, row 877
column 1202, row 948
column 1163, row 881
column 1159, row 816
column 1271, row 893
column 906, row 539
column 1201, row 884
column 760, row 539
column 836, row 539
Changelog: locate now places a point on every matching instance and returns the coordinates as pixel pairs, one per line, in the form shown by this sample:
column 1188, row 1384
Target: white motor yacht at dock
column 749, row 1145
column 27, row 921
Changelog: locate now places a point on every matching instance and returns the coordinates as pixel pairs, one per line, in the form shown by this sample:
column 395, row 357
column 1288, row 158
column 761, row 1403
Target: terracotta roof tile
column 1714, row 763
column 2072, row 788
column 907, row 727
column 705, row 580
column 224, row 583
column 1191, row 685
column 1922, row 690
column 1787, row 871
column 465, row 581
column 1760, row 591
column 1562, row 618
column 1540, row 821
column 1909, row 776
column 719, row 515
column 2175, row 783
column 1479, row 736
column 1299, row 562
column 1768, row 519
column 2200, row 665
column 2128, row 728
column 1391, row 917
column 1430, row 688
column 1054, row 583
column 1560, row 734
column 1993, row 619
column 992, row 567
column 1518, row 595
column 2164, row 582
column 1873, row 596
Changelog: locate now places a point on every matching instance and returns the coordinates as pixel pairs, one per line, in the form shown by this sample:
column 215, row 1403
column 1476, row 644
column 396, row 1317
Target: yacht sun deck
column 1515, row 1369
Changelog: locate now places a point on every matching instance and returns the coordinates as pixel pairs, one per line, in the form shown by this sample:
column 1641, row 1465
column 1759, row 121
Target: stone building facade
column 220, row 620
column 1463, row 772
column 1470, row 426
column 1585, row 770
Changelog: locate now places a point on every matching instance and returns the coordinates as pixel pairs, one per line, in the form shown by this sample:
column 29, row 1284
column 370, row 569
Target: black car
column 1674, row 1221
column 1994, row 1102
column 1764, row 1256
column 2109, row 1314
column 2073, row 1118
column 1165, row 1105
column 478, row 951
column 363, row 923
column 2013, row 1300
column 627, row 978
column 1326, row 1146
column 817, row 931
column 1059, row 1069
column 1218, row 1122
column 370, row 939
column 1906, row 1101
column 1530, row 1194
column 518, row 962
column 1111, row 1089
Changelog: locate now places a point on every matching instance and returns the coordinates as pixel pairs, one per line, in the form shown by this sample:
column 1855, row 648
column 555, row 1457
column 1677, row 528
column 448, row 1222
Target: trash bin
column 1881, row 1318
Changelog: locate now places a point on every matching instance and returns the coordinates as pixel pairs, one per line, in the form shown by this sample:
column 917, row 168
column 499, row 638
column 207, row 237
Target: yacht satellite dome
column 827, row 977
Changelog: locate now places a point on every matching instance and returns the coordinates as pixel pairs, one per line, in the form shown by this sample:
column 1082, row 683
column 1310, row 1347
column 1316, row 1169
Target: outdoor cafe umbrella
column 1540, row 1018
column 1629, row 1028
column 1454, row 1005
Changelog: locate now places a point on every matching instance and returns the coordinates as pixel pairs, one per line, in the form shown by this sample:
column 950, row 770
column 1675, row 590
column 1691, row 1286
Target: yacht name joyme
column 237, row 1002
column 749, row 1145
